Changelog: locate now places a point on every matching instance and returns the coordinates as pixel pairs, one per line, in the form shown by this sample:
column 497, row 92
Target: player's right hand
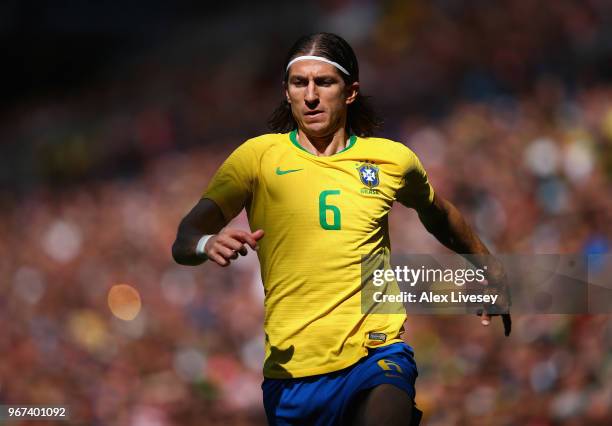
column 227, row 244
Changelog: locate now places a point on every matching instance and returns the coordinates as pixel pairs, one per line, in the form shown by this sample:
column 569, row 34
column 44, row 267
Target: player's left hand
column 497, row 284
column 506, row 319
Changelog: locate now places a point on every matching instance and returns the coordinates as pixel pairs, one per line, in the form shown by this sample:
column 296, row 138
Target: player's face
column 319, row 97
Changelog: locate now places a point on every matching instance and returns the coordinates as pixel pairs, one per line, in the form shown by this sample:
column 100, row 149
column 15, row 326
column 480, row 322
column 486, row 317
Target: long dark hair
column 361, row 120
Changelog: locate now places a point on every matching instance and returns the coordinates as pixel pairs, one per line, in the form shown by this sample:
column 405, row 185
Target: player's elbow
column 435, row 216
column 178, row 253
column 179, row 247
column 436, row 219
column 434, row 226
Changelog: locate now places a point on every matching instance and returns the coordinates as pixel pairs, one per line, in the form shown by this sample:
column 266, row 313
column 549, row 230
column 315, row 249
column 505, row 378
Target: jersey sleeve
column 232, row 185
column 415, row 192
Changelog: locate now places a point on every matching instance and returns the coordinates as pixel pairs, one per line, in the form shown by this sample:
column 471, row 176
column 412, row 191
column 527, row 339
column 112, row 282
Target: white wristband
column 201, row 244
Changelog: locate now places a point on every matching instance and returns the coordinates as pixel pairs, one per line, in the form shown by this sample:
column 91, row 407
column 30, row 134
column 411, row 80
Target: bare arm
column 206, row 218
column 447, row 224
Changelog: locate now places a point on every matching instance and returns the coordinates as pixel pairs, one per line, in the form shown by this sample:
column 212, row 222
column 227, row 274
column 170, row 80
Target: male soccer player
column 318, row 194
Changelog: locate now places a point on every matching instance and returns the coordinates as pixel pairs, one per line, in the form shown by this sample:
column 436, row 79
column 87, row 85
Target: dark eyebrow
column 326, row 77
column 317, row 78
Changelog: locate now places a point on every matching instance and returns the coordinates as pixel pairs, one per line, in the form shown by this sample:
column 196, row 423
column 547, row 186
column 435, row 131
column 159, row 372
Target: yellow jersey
column 320, row 215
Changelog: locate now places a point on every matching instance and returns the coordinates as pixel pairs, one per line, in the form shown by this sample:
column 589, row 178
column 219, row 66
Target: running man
column 318, row 192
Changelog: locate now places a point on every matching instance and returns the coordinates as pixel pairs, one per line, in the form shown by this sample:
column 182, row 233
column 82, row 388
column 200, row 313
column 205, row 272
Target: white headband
column 317, row 58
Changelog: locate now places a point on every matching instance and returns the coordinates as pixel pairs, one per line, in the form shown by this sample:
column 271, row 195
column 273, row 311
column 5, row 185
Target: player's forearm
column 447, row 224
column 459, row 236
column 184, row 247
column 204, row 219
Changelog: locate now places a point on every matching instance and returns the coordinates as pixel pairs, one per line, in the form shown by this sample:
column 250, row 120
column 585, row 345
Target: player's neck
column 323, row 146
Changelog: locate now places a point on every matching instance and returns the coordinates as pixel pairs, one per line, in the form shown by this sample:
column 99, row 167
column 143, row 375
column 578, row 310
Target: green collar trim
column 293, row 137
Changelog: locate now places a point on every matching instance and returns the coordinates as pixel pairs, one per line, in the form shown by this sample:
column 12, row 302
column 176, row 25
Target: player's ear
column 285, row 86
column 352, row 90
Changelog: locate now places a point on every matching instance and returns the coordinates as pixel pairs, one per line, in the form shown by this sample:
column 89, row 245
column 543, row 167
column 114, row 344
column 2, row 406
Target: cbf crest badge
column 368, row 174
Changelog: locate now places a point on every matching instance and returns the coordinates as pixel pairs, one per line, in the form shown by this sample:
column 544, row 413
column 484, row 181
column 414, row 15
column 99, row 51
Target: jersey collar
column 293, row 138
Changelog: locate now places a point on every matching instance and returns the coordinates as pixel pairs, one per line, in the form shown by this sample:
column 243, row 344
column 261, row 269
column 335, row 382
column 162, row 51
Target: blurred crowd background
column 114, row 117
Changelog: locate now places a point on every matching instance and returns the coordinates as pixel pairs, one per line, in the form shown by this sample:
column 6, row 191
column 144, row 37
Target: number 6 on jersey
column 324, row 208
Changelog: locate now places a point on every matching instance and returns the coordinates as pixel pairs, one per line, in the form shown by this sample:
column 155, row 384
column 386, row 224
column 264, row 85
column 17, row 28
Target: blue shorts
column 323, row 399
